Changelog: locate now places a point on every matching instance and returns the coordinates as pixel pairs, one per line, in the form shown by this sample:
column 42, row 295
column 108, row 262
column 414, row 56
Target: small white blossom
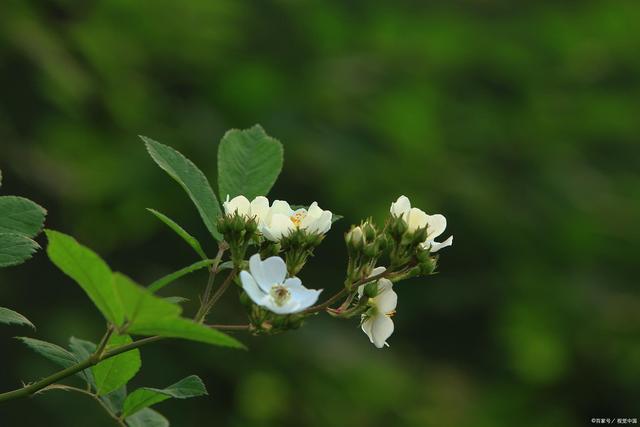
column 258, row 208
column 282, row 220
column 417, row 218
column 267, row 286
column 377, row 322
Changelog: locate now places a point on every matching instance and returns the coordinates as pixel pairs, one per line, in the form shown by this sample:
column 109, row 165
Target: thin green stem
column 343, row 291
column 230, row 327
column 86, row 393
column 60, row 375
column 222, row 289
column 213, row 270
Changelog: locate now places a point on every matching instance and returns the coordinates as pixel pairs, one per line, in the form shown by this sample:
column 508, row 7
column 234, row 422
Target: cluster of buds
column 298, row 245
column 365, row 245
column 239, row 231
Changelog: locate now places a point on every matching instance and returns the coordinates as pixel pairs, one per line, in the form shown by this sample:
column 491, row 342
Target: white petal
column 266, row 232
column 260, row 208
column 239, row 204
column 309, row 223
column 387, row 299
column 435, row 246
column 381, row 329
column 280, row 226
column 269, row 272
column 324, row 222
column 281, row 207
column 400, row 206
column 314, row 210
column 366, row 327
column 251, row 287
column 291, row 306
column 378, row 270
column 416, row 218
column 436, row 226
column 304, row 296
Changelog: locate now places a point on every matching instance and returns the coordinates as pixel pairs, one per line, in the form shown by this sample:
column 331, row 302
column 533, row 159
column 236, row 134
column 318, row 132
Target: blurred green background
column 517, row 120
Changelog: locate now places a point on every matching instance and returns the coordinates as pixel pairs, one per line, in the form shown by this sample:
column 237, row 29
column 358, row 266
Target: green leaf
column 191, row 241
column 191, row 386
column 15, row 249
column 53, row 352
column 147, row 418
column 20, row 215
column 186, row 329
column 89, row 271
column 116, row 371
column 140, row 305
column 115, row 400
column 164, row 281
column 10, row 317
column 151, row 315
column 192, row 180
column 82, row 350
column 249, row 162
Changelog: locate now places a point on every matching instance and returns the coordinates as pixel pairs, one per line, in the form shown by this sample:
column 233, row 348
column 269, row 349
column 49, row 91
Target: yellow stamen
column 297, row 218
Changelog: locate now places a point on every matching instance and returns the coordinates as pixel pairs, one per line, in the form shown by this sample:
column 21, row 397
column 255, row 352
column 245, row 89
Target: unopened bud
column 370, row 232
column 420, row 235
column 354, row 238
column 371, row 289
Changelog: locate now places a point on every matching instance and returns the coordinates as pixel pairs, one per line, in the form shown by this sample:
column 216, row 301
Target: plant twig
column 86, row 393
column 71, row 370
column 230, row 327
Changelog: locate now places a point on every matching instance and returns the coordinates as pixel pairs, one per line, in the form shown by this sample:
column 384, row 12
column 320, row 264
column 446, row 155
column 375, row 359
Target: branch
column 60, row 375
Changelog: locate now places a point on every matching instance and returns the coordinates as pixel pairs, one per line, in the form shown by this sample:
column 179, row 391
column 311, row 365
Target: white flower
column 266, row 285
column 417, row 218
column 377, row 322
column 282, row 220
column 257, row 208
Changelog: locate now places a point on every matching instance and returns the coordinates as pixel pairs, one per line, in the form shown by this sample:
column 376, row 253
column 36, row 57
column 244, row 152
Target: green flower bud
column 370, row 231
column 420, row 235
column 371, row 289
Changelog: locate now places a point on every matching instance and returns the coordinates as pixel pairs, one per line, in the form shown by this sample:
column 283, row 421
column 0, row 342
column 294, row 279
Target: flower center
column 280, row 294
column 297, row 218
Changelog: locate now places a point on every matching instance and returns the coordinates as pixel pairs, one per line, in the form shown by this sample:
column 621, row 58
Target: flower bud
column 420, row 235
column 371, row 289
column 355, row 238
column 398, row 227
column 370, row 231
column 371, row 250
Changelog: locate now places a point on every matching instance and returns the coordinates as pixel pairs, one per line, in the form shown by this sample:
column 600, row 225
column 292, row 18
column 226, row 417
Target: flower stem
column 230, row 327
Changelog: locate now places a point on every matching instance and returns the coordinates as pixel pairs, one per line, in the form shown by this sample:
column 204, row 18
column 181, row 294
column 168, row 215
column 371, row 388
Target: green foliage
column 89, row 271
column 113, row 373
column 120, row 299
column 53, row 352
column 141, row 398
column 151, row 315
column 20, row 215
column 82, row 350
column 190, row 178
column 169, row 278
column 147, row 418
column 9, row 317
column 20, row 221
column 191, row 241
column 16, row 249
column 249, row 162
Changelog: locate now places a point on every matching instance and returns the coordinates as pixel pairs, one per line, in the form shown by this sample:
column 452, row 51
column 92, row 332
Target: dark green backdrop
column 518, row 120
